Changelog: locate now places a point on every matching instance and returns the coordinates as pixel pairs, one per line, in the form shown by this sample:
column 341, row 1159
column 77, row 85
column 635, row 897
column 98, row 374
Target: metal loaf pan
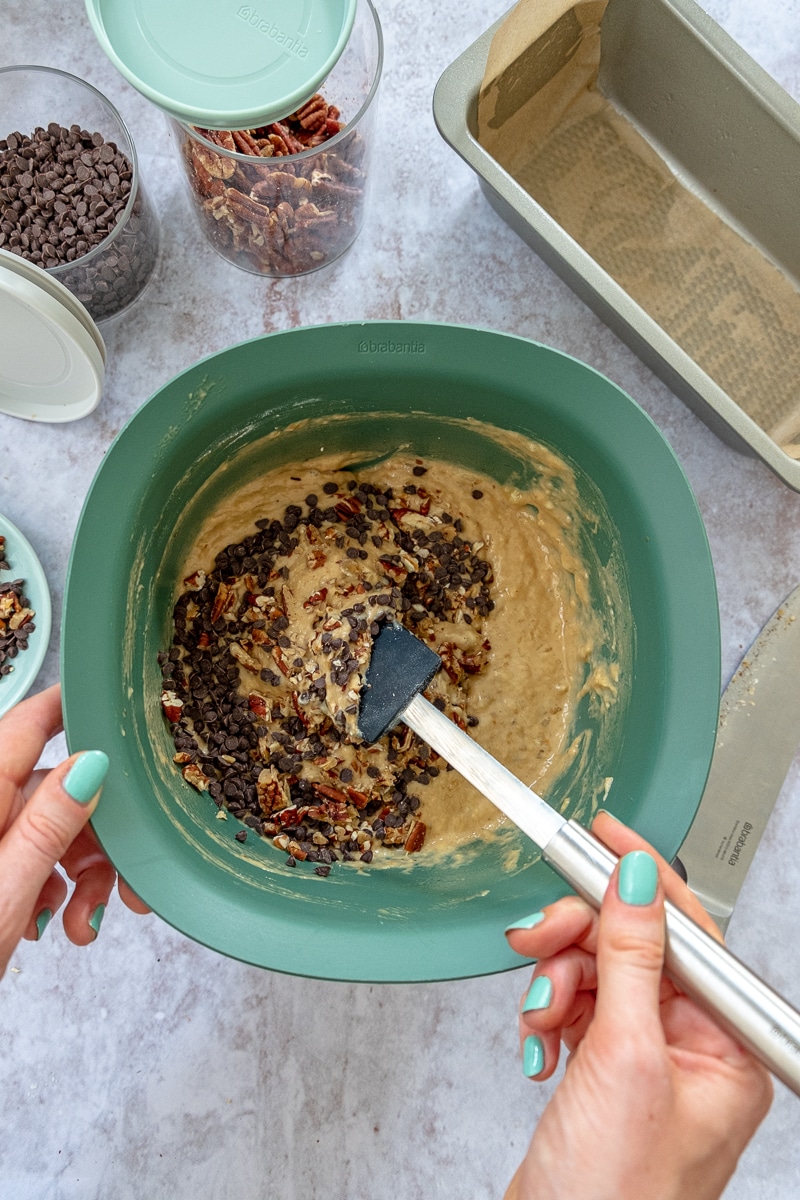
column 731, row 137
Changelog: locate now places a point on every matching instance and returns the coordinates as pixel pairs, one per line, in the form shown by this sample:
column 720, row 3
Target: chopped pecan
column 415, row 838
column 313, row 114
column 196, row 777
column 331, row 793
column 393, row 568
column 331, row 812
column 258, row 704
column 280, row 185
column 272, row 791
column 394, row 837
column 315, row 598
column 203, row 182
column 300, row 711
column 216, row 166
column 280, row 661
column 403, row 510
column 195, row 581
column 245, row 208
column 309, row 216
column 283, row 140
column 241, row 655
column 360, row 799
column 245, row 143
column 20, row 617
column 172, row 706
column 220, row 137
column 347, row 507
column 223, row 601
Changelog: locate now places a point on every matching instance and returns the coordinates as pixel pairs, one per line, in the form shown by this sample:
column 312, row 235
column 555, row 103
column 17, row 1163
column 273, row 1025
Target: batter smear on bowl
column 273, row 635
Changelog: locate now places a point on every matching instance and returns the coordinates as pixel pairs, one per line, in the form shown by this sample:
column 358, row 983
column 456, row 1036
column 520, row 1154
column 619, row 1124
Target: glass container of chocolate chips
column 271, row 109
column 71, row 200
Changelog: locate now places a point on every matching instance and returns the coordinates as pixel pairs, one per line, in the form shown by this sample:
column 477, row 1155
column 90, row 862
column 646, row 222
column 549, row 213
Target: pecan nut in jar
column 281, row 199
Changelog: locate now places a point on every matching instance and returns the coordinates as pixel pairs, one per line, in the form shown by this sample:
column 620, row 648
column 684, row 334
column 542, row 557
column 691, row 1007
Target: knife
column 758, row 733
column 400, row 667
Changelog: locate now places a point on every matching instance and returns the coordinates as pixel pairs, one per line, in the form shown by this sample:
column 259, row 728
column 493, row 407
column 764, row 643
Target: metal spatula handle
column 703, row 968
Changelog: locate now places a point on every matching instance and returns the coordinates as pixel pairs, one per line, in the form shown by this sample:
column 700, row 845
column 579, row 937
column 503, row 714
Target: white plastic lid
column 52, row 356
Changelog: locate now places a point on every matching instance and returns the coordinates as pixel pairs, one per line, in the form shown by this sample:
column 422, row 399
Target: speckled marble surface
column 149, row 1066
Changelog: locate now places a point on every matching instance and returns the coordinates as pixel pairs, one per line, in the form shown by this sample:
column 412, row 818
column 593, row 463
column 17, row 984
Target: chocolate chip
column 53, row 230
column 12, row 640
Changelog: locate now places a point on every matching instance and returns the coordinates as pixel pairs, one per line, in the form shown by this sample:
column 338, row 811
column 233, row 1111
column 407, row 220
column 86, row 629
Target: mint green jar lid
column 221, row 64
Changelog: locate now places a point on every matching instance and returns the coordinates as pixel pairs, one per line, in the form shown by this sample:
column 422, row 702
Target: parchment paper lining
column 542, row 117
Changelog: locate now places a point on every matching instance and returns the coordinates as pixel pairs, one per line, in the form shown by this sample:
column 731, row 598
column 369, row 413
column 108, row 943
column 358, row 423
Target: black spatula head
column 401, row 665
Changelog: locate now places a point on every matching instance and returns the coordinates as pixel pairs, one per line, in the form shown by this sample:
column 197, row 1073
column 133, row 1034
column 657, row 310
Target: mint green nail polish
column 638, row 878
column 539, row 995
column 532, row 1056
column 86, row 776
column 42, row 921
column 527, row 922
column 96, row 919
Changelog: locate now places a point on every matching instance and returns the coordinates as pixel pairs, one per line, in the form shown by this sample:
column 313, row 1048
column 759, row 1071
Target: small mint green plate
column 24, row 564
column 399, row 382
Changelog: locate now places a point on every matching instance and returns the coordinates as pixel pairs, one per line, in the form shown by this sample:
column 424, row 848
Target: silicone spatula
column 400, row 668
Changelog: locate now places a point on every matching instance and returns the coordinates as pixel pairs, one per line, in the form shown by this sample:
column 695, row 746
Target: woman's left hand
column 43, row 822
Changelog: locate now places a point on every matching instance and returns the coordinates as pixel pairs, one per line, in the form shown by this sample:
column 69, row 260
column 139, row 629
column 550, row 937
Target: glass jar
column 71, row 200
column 288, row 198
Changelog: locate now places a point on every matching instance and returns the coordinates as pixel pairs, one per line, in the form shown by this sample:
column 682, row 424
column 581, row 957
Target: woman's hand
column 657, row 1102
column 43, row 816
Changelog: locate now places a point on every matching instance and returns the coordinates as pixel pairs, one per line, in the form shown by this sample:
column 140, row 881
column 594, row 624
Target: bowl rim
column 416, row 955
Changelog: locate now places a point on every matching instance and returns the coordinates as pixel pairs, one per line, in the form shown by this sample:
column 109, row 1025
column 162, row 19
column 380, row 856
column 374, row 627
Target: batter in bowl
column 283, row 590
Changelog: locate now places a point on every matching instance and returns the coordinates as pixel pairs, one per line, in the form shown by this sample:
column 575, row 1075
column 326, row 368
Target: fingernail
column 539, row 994
column 532, row 1056
column 96, row 919
column 86, row 776
column 638, row 878
column 527, row 922
column 42, row 921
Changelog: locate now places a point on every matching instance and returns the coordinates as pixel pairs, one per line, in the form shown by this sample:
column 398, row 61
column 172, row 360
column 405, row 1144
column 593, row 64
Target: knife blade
column 757, row 735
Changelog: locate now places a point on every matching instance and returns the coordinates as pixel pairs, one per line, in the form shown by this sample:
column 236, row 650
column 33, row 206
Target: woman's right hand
column 657, row 1102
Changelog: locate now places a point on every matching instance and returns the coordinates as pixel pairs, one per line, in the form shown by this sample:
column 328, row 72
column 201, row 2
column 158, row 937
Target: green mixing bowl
column 387, row 383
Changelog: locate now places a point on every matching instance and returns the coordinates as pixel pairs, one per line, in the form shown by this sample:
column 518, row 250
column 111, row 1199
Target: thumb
column 45, row 828
column 630, row 948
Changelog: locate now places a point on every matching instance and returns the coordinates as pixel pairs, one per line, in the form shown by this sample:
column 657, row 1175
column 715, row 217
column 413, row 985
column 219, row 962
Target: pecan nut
column 286, row 217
